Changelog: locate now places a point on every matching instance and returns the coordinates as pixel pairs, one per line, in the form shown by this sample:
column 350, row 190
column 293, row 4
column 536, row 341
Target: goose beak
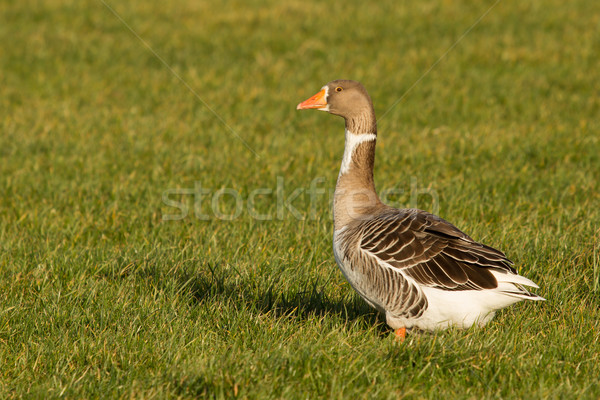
column 317, row 101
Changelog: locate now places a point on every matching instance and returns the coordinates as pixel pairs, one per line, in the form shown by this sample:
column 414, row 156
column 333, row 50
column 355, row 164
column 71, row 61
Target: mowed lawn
column 165, row 226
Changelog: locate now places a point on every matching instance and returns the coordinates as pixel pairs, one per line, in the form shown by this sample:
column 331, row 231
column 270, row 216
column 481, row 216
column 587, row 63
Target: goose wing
column 431, row 251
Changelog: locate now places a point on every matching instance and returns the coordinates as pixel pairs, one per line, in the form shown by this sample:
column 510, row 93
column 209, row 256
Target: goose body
column 416, row 268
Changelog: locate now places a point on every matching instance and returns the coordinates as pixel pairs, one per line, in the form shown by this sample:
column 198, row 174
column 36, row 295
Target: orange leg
column 400, row 334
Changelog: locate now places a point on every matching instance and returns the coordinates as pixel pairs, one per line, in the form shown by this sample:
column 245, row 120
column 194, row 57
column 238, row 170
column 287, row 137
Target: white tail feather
column 510, row 284
column 513, row 278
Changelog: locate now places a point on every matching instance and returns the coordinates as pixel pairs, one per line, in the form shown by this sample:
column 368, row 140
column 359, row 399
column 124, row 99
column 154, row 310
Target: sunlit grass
column 101, row 296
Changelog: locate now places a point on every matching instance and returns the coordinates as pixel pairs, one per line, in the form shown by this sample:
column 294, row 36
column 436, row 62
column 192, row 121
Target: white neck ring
column 352, row 142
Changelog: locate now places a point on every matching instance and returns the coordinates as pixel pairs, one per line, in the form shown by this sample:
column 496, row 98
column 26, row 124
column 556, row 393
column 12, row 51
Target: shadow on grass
column 213, row 283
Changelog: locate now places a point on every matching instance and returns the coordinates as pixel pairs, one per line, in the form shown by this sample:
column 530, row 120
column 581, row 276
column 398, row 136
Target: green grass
column 100, row 296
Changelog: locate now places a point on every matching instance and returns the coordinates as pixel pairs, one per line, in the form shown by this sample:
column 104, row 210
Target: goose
column 414, row 267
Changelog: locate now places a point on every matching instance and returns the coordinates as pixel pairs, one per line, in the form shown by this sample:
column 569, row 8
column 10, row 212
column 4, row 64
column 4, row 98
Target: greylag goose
column 417, row 269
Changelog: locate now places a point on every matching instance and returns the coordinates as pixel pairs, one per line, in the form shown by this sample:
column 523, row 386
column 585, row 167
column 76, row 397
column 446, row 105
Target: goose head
column 348, row 99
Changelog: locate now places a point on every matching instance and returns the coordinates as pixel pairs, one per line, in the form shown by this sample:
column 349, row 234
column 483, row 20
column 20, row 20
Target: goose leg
column 400, row 334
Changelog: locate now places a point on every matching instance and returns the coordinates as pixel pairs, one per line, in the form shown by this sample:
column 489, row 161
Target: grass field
column 118, row 280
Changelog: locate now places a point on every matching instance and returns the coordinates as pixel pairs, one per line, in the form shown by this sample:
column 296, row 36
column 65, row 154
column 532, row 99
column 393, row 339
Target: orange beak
column 317, row 101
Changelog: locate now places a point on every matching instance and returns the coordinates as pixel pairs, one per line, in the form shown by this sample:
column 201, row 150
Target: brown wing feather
column 431, row 250
column 383, row 288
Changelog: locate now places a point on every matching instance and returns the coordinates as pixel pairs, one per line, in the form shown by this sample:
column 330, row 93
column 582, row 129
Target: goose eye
column 338, row 89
